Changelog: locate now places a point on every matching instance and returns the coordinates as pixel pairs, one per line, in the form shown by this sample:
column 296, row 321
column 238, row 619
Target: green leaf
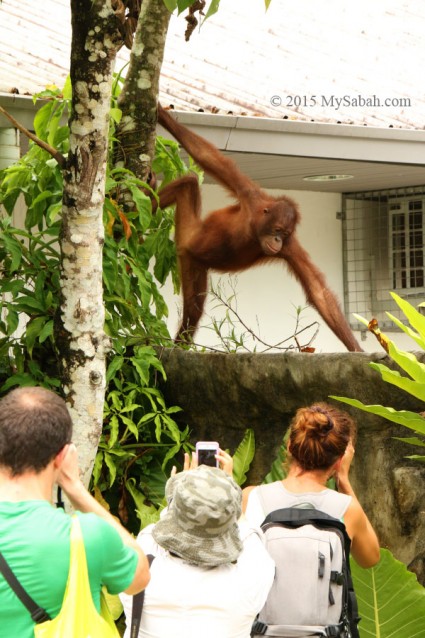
column 414, row 388
column 110, row 463
column 55, row 118
column 33, row 330
column 278, row 471
column 213, row 8
column 361, row 319
column 115, row 365
column 182, row 5
column 410, row 420
column 46, row 332
column 170, row 454
column 29, row 304
column 40, row 198
column 115, row 398
column 408, row 330
column 411, row 440
column 110, row 184
column 243, row 457
column 143, row 206
column 14, row 286
column 173, row 409
column 67, row 89
column 116, row 115
column 391, row 601
column 158, row 427
column 14, row 248
column 147, row 417
column 21, row 380
column 172, row 428
column 267, row 3
column 170, row 4
column 131, row 426
column 416, row 320
column 409, row 363
column 142, row 368
column 110, row 270
column 114, row 428
column 53, row 212
column 12, row 321
column 147, row 513
column 97, row 468
column 41, row 120
column 130, row 408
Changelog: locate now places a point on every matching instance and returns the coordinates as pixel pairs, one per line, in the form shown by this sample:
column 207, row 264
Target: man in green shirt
column 35, row 453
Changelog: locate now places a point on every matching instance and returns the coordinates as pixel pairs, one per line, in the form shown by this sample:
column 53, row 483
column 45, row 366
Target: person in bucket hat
column 200, row 525
column 211, row 573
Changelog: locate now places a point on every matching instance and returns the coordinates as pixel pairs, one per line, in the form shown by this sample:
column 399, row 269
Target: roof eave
column 262, row 135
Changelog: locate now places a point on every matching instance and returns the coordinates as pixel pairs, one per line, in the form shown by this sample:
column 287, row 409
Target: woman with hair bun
column 320, row 446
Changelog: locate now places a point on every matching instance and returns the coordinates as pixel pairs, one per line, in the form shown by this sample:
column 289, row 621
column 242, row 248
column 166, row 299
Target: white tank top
column 266, row 498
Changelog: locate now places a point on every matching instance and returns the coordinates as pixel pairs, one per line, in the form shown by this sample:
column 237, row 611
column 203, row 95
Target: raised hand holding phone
column 206, row 453
column 222, row 459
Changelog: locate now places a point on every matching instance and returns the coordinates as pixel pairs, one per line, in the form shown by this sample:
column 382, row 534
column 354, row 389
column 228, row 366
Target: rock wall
column 224, row 394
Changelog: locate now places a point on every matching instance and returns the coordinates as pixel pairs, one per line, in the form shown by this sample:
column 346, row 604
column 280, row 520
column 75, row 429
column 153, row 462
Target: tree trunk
column 138, row 100
column 82, row 342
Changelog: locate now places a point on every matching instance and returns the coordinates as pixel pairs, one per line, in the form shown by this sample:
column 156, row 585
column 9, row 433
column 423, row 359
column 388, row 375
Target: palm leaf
column 391, row 601
column 278, row 469
column 243, row 456
column 416, row 319
column 409, row 419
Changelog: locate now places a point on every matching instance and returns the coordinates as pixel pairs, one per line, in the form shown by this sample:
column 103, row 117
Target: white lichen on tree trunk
column 138, row 100
column 97, row 34
column 80, row 332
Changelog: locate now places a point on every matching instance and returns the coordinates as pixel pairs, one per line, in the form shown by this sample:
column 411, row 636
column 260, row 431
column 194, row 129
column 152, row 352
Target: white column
column 9, row 147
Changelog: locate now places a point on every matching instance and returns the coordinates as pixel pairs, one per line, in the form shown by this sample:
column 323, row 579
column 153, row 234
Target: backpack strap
column 353, row 617
column 298, row 516
column 294, row 631
column 270, row 496
column 137, row 608
column 38, row 614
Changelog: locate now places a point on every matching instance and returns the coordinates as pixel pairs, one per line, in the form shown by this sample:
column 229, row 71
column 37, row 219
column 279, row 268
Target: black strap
column 38, row 614
column 258, row 628
column 136, row 612
column 59, row 500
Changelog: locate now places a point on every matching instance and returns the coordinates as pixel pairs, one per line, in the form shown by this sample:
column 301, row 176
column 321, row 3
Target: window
column 383, row 239
column 407, row 244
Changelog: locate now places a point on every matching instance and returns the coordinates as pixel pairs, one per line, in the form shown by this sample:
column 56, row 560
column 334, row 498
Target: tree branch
column 61, row 160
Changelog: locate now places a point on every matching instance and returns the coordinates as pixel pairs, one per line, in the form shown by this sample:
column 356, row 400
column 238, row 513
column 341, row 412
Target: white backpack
column 312, row 594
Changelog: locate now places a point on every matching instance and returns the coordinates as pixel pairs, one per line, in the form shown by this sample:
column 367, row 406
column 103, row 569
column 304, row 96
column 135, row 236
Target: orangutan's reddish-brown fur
column 256, row 229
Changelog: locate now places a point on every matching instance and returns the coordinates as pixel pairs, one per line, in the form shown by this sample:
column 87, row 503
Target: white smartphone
column 206, row 452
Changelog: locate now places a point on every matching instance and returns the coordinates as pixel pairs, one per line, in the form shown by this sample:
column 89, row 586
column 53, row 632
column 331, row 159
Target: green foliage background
column 391, row 601
column 140, row 439
column 411, row 381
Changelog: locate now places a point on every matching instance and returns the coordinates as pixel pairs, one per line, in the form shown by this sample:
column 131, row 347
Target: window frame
column 406, row 277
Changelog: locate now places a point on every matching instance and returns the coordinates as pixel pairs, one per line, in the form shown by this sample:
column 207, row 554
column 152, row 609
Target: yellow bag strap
column 77, row 562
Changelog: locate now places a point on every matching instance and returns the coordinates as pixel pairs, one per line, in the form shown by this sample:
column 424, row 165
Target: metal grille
column 383, row 244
